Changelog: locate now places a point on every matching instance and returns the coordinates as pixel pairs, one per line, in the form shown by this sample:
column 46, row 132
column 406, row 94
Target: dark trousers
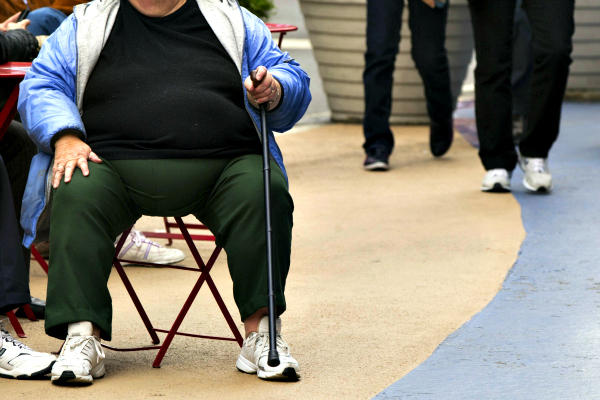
column 14, row 279
column 522, row 64
column 16, row 151
column 225, row 194
column 552, row 29
column 428, row 36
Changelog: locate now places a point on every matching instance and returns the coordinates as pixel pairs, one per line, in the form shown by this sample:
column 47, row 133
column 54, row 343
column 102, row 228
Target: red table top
column 276, row 28
column 14, row 69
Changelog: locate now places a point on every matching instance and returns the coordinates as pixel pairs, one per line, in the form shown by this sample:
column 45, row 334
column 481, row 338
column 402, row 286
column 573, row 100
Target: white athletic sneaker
column 496, row 180
column 255, row 352
column 139, row 248
column 19, row 361
column 81, row 357
column 536, row 176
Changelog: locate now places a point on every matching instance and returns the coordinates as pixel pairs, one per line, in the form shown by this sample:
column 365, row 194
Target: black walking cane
column 273, row 359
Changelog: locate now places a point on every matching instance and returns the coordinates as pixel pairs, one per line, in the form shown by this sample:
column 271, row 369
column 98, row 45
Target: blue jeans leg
column 45, row 20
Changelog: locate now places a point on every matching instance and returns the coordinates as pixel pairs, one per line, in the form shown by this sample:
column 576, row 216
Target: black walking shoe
column 440, row 137
column 377, row 160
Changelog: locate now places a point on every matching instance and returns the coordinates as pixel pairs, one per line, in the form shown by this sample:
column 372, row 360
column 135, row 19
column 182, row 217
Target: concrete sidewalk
column 384, row 267
column 539, row 337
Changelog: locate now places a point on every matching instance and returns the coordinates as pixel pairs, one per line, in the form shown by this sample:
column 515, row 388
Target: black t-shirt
column 166, row 88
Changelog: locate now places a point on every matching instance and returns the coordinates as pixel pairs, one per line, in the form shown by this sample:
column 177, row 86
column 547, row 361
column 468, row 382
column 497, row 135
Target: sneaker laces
column 138, row 239
column 73, row 343
column 8, row 338
column 262, row 340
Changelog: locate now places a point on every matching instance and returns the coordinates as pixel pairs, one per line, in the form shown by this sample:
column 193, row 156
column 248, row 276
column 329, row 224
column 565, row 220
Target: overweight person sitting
column 147, row 107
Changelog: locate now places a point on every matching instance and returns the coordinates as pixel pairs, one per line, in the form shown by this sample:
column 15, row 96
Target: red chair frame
column 169, row 235
column 202, row 268
column 38, row 257
column 14, row 321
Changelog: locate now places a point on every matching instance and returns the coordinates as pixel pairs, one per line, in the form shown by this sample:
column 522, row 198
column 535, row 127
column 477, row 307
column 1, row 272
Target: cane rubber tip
column 273, row 359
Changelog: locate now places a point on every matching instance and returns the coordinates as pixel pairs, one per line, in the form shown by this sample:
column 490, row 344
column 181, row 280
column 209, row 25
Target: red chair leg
column 36, row 254
column 168, row 229
column 131, row 291
column 136, row 302
column 204, row 276
column 14, row 321
column 225, row 312
column 209, row 281
column 29, row 312
column 182, row 313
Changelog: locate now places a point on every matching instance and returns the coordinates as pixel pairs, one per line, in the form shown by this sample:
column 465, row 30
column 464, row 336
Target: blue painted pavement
column 539, row 338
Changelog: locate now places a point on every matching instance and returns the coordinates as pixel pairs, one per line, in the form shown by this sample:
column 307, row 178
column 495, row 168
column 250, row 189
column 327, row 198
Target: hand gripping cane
column 273, row 359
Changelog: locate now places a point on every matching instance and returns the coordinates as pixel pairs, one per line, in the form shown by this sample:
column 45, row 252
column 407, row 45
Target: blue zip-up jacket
column 52, row 92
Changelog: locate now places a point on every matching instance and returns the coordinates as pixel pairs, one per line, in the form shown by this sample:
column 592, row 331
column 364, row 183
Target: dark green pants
column 225, row 194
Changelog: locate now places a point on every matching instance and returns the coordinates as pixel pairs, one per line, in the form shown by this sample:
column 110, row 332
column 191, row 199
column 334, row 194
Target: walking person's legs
column 492, row 28
column 428, row 35
column 384, row 19
column 522, row 66
column 552, row 28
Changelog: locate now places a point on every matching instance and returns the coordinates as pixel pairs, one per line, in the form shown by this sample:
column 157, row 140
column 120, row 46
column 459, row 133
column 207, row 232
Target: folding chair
column 204, row 271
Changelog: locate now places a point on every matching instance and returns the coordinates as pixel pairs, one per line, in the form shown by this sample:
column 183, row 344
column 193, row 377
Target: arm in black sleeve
column 17, row 45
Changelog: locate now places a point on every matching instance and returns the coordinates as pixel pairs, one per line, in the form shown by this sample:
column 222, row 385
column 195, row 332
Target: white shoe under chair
column 138, row 248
